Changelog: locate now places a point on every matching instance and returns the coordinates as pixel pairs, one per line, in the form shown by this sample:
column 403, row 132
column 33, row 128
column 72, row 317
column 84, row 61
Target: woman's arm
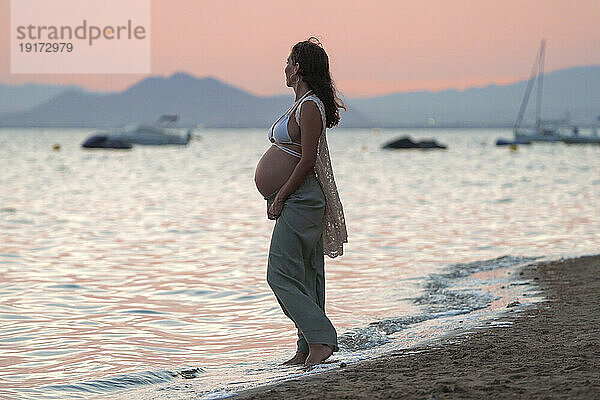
column 310, row 129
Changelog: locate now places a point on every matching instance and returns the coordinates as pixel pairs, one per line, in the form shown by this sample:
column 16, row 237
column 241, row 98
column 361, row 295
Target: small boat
column 576, row 138
column 161, row 132
column 406, row 142
column 105, row 142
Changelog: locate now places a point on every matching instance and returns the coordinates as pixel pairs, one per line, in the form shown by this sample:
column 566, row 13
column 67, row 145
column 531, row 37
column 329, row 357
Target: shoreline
column 551, row 350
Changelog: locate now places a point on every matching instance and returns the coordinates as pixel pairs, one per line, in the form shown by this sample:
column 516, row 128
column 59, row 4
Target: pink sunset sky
column 375, row 47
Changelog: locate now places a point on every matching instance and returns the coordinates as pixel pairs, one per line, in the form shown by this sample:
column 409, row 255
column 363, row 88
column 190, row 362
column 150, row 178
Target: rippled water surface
column 137, row 270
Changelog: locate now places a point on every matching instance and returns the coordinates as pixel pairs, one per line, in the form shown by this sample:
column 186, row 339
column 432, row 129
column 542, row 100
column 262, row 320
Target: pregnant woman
column 296, row 179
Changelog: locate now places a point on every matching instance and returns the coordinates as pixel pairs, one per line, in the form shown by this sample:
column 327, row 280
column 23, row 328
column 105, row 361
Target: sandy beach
column 551, row 351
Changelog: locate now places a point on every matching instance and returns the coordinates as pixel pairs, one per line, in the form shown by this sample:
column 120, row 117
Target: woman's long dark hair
column 314, row 70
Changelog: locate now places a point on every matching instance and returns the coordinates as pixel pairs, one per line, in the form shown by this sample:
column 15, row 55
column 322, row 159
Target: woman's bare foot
column 317, row 353
column 298, row 359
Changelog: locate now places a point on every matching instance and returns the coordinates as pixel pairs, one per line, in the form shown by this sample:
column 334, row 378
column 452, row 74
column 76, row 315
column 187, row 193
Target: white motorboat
column 163, row 131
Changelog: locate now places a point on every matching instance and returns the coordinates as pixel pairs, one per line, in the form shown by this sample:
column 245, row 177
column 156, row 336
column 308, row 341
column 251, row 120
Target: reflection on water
column 119, row 269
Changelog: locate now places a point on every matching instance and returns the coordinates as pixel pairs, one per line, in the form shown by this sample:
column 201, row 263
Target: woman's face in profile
column 290, row 69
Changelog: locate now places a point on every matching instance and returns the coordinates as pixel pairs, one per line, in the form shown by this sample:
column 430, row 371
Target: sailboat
column 543, row 131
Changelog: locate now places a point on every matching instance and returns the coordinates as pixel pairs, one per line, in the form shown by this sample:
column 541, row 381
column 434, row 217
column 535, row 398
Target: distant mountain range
column 213, row 103
column 23, row 97
column 573, row 91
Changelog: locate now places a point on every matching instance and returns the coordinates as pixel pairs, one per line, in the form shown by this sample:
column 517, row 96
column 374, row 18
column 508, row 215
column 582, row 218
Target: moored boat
column 161, row 132
column 406, row 142
column 576, row 138
column 543, row 131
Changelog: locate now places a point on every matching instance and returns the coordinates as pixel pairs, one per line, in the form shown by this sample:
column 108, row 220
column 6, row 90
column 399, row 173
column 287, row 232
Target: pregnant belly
column 273, row 170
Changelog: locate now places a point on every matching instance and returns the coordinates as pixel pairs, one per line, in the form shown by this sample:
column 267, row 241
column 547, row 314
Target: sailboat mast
column 532, row 78
column 538, row 100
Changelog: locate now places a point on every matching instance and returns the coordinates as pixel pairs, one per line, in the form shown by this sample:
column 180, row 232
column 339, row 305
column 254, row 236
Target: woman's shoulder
column 312, row 103
column 314, row 98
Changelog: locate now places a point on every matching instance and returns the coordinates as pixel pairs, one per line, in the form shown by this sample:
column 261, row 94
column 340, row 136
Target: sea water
column 142, row 272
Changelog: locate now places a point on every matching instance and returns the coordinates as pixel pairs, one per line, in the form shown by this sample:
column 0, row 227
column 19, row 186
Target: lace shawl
column 334, row 223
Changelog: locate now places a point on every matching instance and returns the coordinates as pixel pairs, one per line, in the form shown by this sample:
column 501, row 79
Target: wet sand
column 551, row 351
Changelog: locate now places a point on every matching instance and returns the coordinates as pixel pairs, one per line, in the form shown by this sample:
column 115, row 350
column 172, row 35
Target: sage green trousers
column 296, row 264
